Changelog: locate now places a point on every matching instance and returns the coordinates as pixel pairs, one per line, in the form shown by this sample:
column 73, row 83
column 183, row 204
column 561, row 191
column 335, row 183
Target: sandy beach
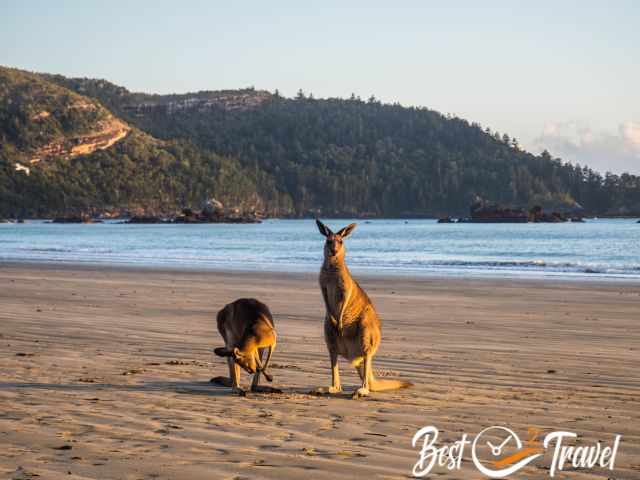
column 104, row 374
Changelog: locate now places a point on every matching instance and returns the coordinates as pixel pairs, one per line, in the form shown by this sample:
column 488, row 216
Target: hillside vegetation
column 301, row 156
column 136, row 173
column 40, row 119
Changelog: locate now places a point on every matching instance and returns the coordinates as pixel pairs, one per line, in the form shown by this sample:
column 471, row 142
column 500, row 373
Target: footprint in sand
column 22, row 474
column 269, row 446
column 133, row 371
column 63, row 447
column 285, row 366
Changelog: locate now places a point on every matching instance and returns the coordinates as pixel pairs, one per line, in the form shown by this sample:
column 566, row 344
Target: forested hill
column 333, row 157
column 351, row 157
column 65, row 153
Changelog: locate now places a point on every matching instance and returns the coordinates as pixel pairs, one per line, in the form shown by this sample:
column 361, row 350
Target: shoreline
column 605, row 251
column 333, row 217
column 499, row 277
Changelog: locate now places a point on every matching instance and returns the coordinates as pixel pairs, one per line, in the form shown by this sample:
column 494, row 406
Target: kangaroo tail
column 380, row 385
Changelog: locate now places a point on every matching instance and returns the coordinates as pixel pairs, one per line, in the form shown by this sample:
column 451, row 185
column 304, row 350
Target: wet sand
column 104, row 373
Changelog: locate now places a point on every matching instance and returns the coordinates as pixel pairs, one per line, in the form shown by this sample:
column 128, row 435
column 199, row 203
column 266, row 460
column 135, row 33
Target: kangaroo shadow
column 196, row 387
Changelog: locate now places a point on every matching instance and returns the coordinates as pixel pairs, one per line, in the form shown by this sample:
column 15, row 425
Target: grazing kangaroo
column 247, row 328
column 351, row 326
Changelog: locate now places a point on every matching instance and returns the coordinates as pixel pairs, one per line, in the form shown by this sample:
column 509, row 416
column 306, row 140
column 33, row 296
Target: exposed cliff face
column 137, row 105
column 105, row 134
column 40, row 120
column 202, row 101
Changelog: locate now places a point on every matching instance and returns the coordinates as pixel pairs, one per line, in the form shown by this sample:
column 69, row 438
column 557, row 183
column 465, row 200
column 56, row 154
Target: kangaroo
column 247, row 328
column 351, row 326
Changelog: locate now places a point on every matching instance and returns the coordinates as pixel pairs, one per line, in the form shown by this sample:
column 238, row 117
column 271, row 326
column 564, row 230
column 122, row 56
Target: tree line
column 303, row 156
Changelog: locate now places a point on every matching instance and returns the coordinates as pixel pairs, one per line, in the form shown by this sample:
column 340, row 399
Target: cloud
column 631, row 132
column 602, row 150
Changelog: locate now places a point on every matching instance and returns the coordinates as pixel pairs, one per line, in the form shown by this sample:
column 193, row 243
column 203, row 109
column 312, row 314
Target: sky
column 558, row 75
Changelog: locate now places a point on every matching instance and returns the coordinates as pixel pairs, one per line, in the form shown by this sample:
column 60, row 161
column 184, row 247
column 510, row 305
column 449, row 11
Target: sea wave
column 593, row 250
column 45, row 249
column 504, row 265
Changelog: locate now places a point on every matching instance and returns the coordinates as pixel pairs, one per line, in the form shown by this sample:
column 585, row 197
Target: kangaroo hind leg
column 336, row 386
column 256, row 376
column 366, row 372
column 234, row 373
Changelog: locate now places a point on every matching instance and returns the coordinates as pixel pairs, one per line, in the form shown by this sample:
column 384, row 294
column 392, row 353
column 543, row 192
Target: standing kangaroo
column 247, row 328
column 351, row 326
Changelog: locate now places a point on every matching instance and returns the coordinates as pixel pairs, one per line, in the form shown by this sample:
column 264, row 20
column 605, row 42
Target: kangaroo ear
column 324, row 230
column 222, row 352
column 346, row 231
column 237, row 353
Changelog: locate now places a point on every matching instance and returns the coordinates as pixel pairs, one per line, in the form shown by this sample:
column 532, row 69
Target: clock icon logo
column 501, row 463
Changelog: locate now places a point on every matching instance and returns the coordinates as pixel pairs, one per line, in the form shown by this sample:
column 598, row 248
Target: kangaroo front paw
column 221, row 381
column 360, row 393
column 325, row 390
column 238, row 391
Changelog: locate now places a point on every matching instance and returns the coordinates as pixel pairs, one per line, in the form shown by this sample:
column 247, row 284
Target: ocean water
column 600, row 248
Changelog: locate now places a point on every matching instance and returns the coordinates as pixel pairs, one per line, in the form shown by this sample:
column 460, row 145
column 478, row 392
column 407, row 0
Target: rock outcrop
column 48, row 120
column 106, row 133
column 83, row 218
column 486, row 212
column 212, row 211
column 201, row 102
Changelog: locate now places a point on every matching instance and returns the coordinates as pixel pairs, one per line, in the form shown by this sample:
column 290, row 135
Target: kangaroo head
column 246, row 361
column 334, row 245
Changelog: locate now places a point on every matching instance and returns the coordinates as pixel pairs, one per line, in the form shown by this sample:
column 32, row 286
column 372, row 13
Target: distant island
column 482, row 211
column 86, row 147
column 212, row 211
